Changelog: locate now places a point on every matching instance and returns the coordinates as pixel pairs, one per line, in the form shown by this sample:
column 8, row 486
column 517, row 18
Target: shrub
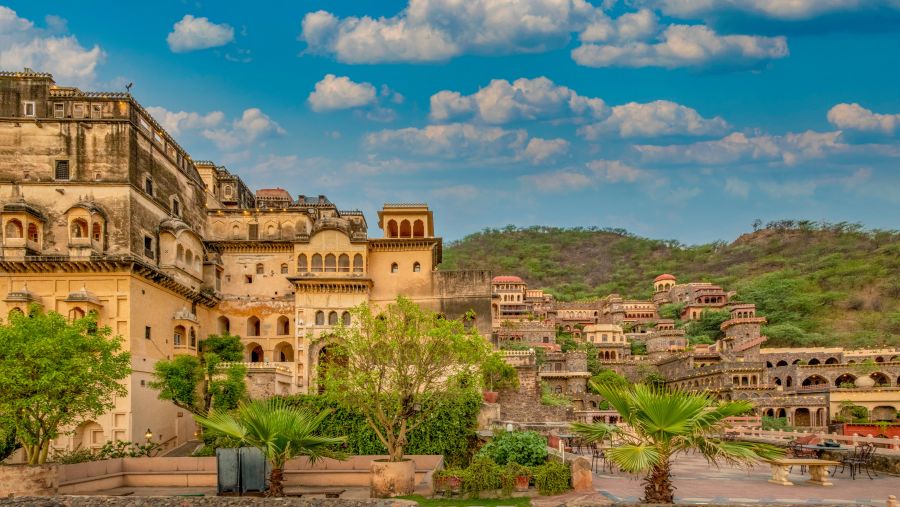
column 482, row 475
column 775, row 423
column 510, row 473
column 77, row 455
column 522, row 447
column 552, row 478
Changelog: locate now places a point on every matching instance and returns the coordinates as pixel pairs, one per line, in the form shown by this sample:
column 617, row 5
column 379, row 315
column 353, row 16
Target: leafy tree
column 523, row 447
column 8, row 442
column 608, row 378
column 671, row 311
column 706, row 329
column 279, row 430
column 638, row 348
column 55, row 373
column 663, row 424
column 394, row 367
column 498, row 374
column 566, row 341
column 198, row 384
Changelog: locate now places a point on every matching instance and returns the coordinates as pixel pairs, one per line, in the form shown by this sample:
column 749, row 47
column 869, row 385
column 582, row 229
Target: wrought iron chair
column 859, row 458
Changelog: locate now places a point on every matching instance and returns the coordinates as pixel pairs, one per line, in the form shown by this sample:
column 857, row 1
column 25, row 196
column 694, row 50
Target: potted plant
column 448, row 480
column 515, row 477
column 395, row 366
column 497, row 374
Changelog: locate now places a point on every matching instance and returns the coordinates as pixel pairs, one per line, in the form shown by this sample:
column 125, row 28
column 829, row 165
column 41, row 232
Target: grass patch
column 466, row 502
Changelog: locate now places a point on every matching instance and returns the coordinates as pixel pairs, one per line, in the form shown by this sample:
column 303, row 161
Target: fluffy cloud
column 174, row 122
column 334, row 92
column 191, row 34
column 523, row 99
column 541, row 150
column 435, row 30
column 657, row 118
column 738, row 147
column 455, row 140
column 615, row 171
column 24, row 45
column 792, row 10
column 684, row 46
column 252, row 126
column 855, row 117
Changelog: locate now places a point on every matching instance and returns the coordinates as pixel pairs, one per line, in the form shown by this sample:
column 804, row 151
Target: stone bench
column 818, row 470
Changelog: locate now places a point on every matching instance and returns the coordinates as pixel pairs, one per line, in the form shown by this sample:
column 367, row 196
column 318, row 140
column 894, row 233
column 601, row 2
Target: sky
column 673, row 119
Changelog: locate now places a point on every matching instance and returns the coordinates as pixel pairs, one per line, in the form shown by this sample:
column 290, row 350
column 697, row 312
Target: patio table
column 819, row 449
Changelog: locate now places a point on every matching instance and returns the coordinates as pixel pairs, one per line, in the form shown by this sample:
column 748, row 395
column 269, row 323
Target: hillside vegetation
column 817, row 283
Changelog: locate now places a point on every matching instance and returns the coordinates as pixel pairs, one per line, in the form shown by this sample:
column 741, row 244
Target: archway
column 846, row 379
column 392, row 228
column 831, row 360
column 419, row 229
column 813, row 362
column 13, row 229
column 884, row 413
column 88, row 435
column 405, row 229
column 224, row 325
column 782, row 413
column 284, row 353
column 255, row 353
column 326, row 357
column 781, row 363
column 283, row 326
column 881, row 380
column 788, row 382
column 253, row 326
column 814, row 380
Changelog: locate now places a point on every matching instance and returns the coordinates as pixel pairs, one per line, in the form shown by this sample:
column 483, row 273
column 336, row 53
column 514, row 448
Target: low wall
column 187, row 472
column 175, row 501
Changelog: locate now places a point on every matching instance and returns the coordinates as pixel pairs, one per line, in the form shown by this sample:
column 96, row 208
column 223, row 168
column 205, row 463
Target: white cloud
column 24, row 45
column 556, row 181
column 191, row 34
column 334, row 92
column 542, row 150
column 738, row 187
column 523, row 99
column 638, row 25
column 435, row 30
column 454, row 140
column 792, row 10
column 174, row 122
column 658, row 118
column 790, row 149
column 252, row 126
column 615, row 171
column 855, row 117
column 684, row 46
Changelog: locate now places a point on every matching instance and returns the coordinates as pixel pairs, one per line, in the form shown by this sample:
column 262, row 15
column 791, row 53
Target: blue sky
column 681, row 119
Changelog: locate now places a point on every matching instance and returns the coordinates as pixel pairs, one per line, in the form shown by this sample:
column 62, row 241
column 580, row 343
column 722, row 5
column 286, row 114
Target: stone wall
column 28, row 480
column 178, row 501
column 524, row 405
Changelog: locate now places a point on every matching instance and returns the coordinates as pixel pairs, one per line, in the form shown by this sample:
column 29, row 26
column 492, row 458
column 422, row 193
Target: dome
column 664, row 276
column 507, row 279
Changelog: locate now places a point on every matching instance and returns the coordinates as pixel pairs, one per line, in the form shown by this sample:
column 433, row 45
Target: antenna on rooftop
column 128, row 87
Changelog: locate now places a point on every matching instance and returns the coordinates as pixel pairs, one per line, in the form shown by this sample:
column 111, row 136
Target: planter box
column 871, row 429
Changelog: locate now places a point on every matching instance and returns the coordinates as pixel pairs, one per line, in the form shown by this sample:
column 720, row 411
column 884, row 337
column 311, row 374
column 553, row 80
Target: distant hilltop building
column 102, row 210
column 807, row 386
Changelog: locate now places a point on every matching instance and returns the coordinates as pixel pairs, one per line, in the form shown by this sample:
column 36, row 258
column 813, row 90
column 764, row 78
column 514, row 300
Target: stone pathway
column 697, row 482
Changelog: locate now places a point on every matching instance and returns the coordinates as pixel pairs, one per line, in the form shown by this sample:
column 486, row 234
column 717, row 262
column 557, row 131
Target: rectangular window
column 62, row 170
column 254, row 231
column 147, row 332
column 59, row 110
column 148, row 247
column 96, row 111
column 248, row 278
column 143, row 123
column 28, row 109
column 78, row 110
column 176, row 209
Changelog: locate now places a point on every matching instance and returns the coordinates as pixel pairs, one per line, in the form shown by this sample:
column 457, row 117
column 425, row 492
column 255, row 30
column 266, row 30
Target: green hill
column 817, row 283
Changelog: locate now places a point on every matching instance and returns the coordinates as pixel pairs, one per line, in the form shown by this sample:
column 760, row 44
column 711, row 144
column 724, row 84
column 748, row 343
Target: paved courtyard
column 697, row 482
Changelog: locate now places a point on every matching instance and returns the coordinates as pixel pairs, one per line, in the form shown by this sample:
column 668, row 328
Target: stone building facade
column 102, row 210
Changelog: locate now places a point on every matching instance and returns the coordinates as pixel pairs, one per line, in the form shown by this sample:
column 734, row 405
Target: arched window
column 253, row 326
column 345, row 318
column 284, row 269
column 96, row 231
column 235, row 231
column 357, row 263
column 284, row 326
column 79, row 228
column 392, row 228
column 417, row 267
column 33, row 233
column 302, row 264
column 193, row 342
column 332, row 318
column 394, row 267
column 320, row 318
column 14, row 229
column 179, row 253
column 178, row 338
column 260, row 269
column 284, row 352
column 224, row 325
column 419, row 229
column 76, row 313
column 270, row 231
column 344, row 263
column 317, row 263
column 405, row 229
column 256, row 353
column 189, row 258
column 330, row 263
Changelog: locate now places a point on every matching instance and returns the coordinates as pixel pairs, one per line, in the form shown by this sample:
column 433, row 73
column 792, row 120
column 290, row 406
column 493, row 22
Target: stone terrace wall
column 524, row 405
column 218, row 501
column 28, row 480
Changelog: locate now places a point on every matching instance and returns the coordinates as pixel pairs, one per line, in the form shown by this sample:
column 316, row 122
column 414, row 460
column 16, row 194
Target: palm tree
column 279, row 430
column 662, row 424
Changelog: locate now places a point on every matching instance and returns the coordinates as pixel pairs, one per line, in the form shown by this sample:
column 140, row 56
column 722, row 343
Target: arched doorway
column 802, row 417
column 845, row 379
column 284, row 353
column 88, row 435
column 326, row 357
column 255, row 353
column 881, row 380
column 224, row 325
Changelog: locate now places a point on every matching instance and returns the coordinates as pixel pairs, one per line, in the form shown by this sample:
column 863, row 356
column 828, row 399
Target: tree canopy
column 56, row 373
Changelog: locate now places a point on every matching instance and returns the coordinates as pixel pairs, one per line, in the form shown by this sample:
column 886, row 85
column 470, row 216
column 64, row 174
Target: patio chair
column 797, row 451
column 859, row 458
column 598, row 457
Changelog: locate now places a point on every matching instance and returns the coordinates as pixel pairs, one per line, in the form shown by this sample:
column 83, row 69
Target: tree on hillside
column 199, row 384
column 661, row 425
column 397, row 366
column 56, row 373
column 707, row 328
